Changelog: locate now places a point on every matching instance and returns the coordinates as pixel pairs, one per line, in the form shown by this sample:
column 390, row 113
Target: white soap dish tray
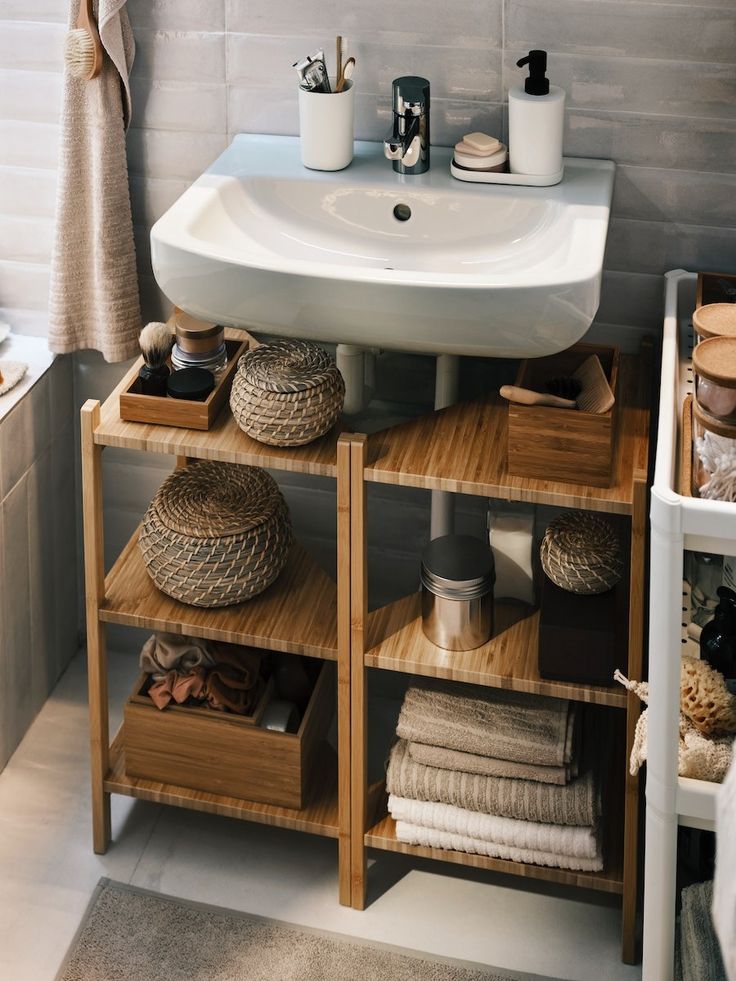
column 495, row 177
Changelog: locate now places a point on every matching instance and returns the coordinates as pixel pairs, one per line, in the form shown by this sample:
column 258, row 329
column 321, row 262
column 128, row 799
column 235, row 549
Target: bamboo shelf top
column 383, row 835
column 225, row 441
column 319, row 817
column 396, row 642
column 463, row 449
column 296, row 615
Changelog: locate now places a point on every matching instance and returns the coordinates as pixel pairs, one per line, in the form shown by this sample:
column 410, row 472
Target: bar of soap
column 482, row 143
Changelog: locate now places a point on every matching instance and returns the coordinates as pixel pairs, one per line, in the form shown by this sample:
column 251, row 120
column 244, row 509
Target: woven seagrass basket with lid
column 287, row 393
column 580, row 552
column 216, row 534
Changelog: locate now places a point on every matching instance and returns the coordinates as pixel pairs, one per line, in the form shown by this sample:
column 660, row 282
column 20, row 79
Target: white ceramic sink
column 259, row 241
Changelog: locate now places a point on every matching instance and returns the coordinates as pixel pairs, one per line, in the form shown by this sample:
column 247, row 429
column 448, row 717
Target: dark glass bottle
column 718, row 639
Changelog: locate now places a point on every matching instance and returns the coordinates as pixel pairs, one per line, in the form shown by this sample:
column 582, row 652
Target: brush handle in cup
column 524, row 396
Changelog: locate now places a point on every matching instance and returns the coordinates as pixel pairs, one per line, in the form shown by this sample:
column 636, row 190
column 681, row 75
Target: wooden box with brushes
column 568, row 445
column 159, row 410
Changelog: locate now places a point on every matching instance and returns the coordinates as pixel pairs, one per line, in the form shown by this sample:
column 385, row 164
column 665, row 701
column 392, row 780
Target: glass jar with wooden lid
column 713, row 457
column 198, row 344
column 715, row 320
column 714, row 364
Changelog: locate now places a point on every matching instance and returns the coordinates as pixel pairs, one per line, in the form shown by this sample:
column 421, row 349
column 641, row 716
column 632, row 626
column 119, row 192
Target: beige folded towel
column 555, row 839
column 528, row 800
column 488, row 766
column 506, row 725
column 412, row 834
column 93, row 300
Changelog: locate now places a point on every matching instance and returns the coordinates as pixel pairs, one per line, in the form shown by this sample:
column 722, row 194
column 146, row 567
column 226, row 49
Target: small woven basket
column 216, row 534
column 287, row 393
column 580, row 553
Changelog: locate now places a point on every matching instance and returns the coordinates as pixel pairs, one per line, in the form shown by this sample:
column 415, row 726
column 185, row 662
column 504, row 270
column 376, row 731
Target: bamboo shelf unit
column 462, row 449
column 304, row 612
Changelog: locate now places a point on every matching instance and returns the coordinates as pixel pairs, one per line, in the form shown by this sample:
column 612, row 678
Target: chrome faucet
column 408, row 143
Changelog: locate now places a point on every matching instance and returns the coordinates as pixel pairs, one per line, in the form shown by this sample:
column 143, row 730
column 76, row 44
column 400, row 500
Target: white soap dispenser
column 536, row 121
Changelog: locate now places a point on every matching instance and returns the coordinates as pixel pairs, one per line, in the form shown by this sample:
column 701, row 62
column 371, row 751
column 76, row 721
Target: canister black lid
column 458, row 561
column 194, row 384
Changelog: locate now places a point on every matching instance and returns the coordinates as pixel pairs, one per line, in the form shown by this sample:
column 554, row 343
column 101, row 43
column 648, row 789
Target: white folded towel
column 555, row 839
column 412, row 834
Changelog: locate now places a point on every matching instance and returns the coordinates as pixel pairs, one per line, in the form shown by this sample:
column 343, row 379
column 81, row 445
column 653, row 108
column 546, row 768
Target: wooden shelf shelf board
column 319, row 817
column 383, row 835
column 225, row 441
column 297, row 614
column 463, row 449
column 396, row 642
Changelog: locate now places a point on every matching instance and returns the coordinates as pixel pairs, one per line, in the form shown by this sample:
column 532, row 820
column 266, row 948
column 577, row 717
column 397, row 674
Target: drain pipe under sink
column 358, row 368
column 446, row 386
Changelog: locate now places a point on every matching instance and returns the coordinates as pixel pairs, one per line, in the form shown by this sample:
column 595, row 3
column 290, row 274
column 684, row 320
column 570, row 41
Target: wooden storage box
column 562, row 444
column 582, row 638
column 222, row 753
column 158, row 410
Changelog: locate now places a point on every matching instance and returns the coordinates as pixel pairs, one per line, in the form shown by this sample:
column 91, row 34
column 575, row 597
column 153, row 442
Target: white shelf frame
column 678, row 524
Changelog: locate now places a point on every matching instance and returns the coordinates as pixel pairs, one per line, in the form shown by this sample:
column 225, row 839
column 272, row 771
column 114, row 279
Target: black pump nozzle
column 537, row 83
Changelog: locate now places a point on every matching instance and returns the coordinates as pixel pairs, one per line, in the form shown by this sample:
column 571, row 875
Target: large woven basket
column 580, row 553
column 216, row 534
column 287, row 393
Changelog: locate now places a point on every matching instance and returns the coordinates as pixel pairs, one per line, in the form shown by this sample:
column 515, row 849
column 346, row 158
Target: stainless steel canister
column 457, row 577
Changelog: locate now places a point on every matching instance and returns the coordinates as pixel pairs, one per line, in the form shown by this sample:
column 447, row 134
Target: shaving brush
column 156, row 341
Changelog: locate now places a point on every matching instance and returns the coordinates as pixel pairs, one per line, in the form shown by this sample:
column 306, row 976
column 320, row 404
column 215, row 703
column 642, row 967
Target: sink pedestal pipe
column 446, row 386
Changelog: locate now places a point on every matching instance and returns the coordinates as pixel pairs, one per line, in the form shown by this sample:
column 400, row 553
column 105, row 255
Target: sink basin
column 258, row 241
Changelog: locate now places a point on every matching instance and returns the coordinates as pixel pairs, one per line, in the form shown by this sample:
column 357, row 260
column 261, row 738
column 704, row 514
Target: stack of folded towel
column 494, row 774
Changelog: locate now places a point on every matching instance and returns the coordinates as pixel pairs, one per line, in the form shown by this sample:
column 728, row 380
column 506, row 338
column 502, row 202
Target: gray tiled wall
column 650, row 84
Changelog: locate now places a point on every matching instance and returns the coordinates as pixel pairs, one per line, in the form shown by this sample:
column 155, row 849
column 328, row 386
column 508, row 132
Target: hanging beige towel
column 526, row 800
column 94, row 300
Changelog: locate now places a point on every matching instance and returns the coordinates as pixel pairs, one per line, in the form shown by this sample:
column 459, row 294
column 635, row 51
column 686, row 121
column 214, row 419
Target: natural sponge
column 704, row 698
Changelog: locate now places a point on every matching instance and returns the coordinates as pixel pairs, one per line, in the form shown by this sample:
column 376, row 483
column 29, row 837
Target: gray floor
column 48, row 871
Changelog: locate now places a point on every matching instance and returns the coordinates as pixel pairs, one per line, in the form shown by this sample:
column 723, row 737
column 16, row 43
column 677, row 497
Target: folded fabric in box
column 528, row 800
column 164, row 652
column 506, row 725
column 412, row 834
column 452, row 759
column 555, row 839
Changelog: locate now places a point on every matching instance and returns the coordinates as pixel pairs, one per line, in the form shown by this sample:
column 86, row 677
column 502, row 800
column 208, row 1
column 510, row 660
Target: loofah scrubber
column 705, row 699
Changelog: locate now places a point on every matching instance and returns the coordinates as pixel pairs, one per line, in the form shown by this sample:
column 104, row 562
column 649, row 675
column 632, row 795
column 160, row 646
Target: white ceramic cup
column 326, row 128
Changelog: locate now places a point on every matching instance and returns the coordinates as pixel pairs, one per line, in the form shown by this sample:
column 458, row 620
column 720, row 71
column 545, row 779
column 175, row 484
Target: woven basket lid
column 214, row 500
column 583, row 536
column 715, row 320
column 287, row 366
column 715, row 359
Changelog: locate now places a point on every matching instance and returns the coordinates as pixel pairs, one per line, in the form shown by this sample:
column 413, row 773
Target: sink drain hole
column 402, row 212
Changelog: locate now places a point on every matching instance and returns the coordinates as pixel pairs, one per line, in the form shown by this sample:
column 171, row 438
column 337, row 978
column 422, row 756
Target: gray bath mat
column 131, row 934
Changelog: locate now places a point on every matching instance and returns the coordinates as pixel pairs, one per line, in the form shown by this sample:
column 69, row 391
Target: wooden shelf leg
column 343, row 669
column 358, row 722
column 630, row 898
column 94, row 567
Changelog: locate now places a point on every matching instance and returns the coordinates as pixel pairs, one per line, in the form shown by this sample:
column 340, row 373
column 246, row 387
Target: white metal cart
column 678, row 523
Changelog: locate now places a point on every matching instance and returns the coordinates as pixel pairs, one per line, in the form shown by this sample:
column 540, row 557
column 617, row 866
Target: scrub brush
column 83, row 50
column 565, row 387
column 156, row 341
